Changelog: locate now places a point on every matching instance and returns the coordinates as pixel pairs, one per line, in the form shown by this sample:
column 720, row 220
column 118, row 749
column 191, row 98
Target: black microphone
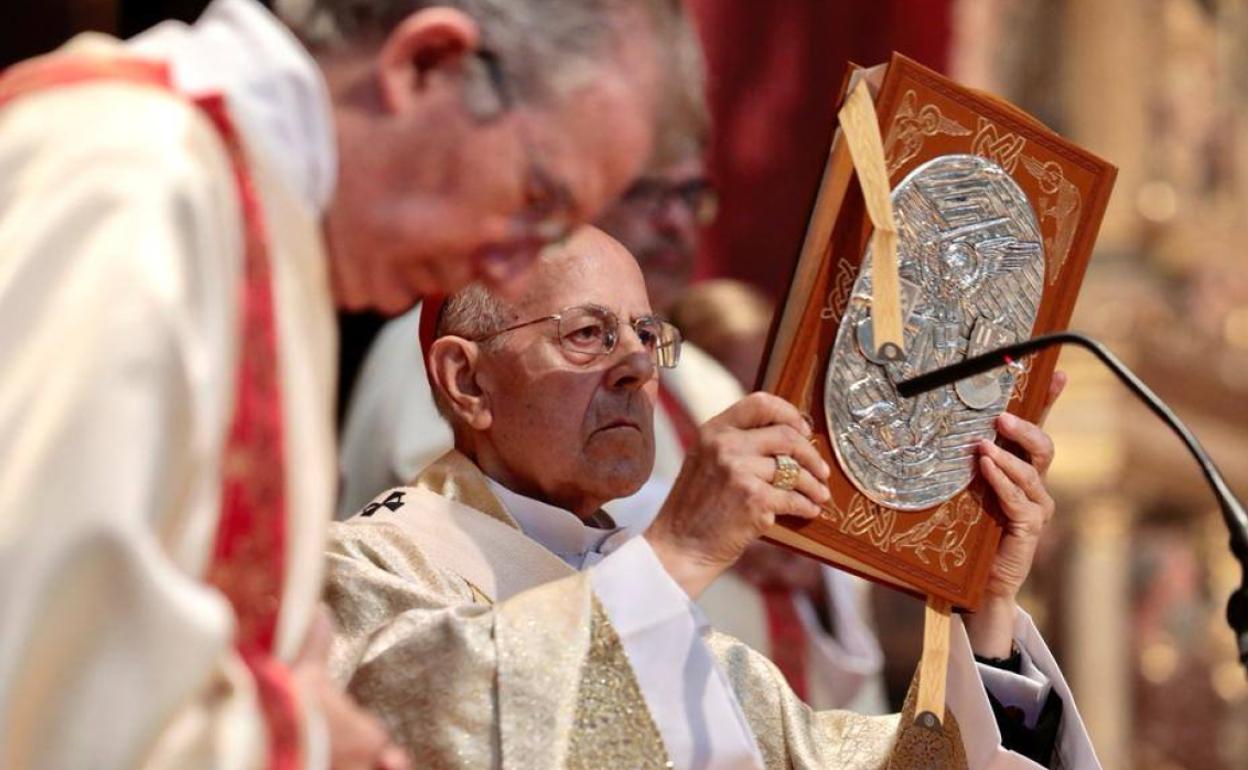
column 1233, row 514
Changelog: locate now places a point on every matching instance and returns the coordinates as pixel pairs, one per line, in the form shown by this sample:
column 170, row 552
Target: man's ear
column 453, row 365
column 427, row 41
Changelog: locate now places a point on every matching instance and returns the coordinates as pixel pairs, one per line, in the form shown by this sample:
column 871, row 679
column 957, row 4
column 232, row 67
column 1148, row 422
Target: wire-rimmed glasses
column 589, row 331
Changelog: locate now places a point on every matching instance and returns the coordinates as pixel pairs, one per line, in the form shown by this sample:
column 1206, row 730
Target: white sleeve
column 966, row 698
column 113, row 652
column 663, row 632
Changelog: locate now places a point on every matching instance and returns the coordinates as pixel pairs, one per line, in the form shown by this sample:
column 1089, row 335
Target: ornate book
column 995, row 216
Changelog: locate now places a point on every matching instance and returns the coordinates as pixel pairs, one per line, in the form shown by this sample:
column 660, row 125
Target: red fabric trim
column 430, row 309
column 249, row 556
column 786, row 637
column 280, row 705
column 776, row 71
column 47, row 72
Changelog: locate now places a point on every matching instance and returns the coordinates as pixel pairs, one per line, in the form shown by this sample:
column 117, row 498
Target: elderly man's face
column 438, row 192
column 572, row 431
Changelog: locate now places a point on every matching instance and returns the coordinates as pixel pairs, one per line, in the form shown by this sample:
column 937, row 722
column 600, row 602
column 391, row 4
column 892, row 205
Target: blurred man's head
column 553, row 393
column 658, row 219
column 472, row 132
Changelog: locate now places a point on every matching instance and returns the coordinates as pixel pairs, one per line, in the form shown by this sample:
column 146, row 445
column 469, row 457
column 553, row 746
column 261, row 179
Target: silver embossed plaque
column 972, row 274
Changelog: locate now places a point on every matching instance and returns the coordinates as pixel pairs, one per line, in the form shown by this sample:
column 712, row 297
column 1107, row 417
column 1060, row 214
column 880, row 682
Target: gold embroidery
column 923, row 748
column 944, row 533
column 479, row 596
column 1063, row 208
column 1000, row 148
column 1022, row 373
column 457, row 478
column 788, row 732
column 838, row 295
column 911, row 127
column 867, row 517
column 612, row 726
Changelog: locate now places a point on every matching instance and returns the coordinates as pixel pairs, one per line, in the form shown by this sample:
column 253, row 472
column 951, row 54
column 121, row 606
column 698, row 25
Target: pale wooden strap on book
column 934, row 665
column 862, row 133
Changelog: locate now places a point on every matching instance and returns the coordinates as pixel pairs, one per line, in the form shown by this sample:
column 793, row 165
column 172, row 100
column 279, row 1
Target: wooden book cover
column 997, row 216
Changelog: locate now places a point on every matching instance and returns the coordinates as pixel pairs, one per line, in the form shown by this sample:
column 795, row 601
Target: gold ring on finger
column 786, row 473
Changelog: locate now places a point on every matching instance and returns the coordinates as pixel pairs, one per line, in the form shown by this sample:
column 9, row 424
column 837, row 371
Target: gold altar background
column 1133, row 585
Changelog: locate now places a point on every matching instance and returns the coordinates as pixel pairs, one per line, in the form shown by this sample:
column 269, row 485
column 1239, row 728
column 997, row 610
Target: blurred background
column 1132, row 586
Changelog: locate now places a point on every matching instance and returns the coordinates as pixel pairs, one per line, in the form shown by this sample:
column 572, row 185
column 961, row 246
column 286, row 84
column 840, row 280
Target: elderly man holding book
column 495, row 616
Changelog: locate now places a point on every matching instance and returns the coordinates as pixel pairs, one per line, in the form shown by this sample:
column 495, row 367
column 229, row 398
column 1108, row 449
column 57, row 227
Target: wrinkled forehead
column 590, row 267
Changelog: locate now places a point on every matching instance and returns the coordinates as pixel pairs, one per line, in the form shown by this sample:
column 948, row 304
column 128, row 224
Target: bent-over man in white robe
column 495, row 616
column 183, row 211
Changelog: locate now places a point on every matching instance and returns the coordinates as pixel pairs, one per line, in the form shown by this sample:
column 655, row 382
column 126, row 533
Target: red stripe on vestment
column 787, row 637
column 682, row 421
column 249, row 554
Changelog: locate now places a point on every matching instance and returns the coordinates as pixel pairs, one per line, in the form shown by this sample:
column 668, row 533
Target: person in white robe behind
column 463, row 619
column 412, row 147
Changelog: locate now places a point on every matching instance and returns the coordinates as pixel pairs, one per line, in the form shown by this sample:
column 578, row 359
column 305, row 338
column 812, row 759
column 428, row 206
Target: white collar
column 559, row 531
column 271, row 83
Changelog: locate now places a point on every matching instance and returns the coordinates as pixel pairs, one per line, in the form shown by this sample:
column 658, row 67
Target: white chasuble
column 120, row 264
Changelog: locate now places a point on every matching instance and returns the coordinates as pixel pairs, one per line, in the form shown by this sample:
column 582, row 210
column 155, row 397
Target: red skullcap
column 430, row 309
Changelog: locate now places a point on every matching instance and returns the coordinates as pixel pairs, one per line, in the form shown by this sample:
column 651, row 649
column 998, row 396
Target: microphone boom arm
column 1233, row 514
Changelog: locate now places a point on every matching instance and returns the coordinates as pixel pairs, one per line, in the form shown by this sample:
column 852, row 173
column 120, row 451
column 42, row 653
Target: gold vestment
column 477, row 663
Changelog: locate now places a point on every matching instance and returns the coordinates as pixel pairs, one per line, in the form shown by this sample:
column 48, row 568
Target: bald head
column 475, row 312
column 590, row 266
column 572, row 429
